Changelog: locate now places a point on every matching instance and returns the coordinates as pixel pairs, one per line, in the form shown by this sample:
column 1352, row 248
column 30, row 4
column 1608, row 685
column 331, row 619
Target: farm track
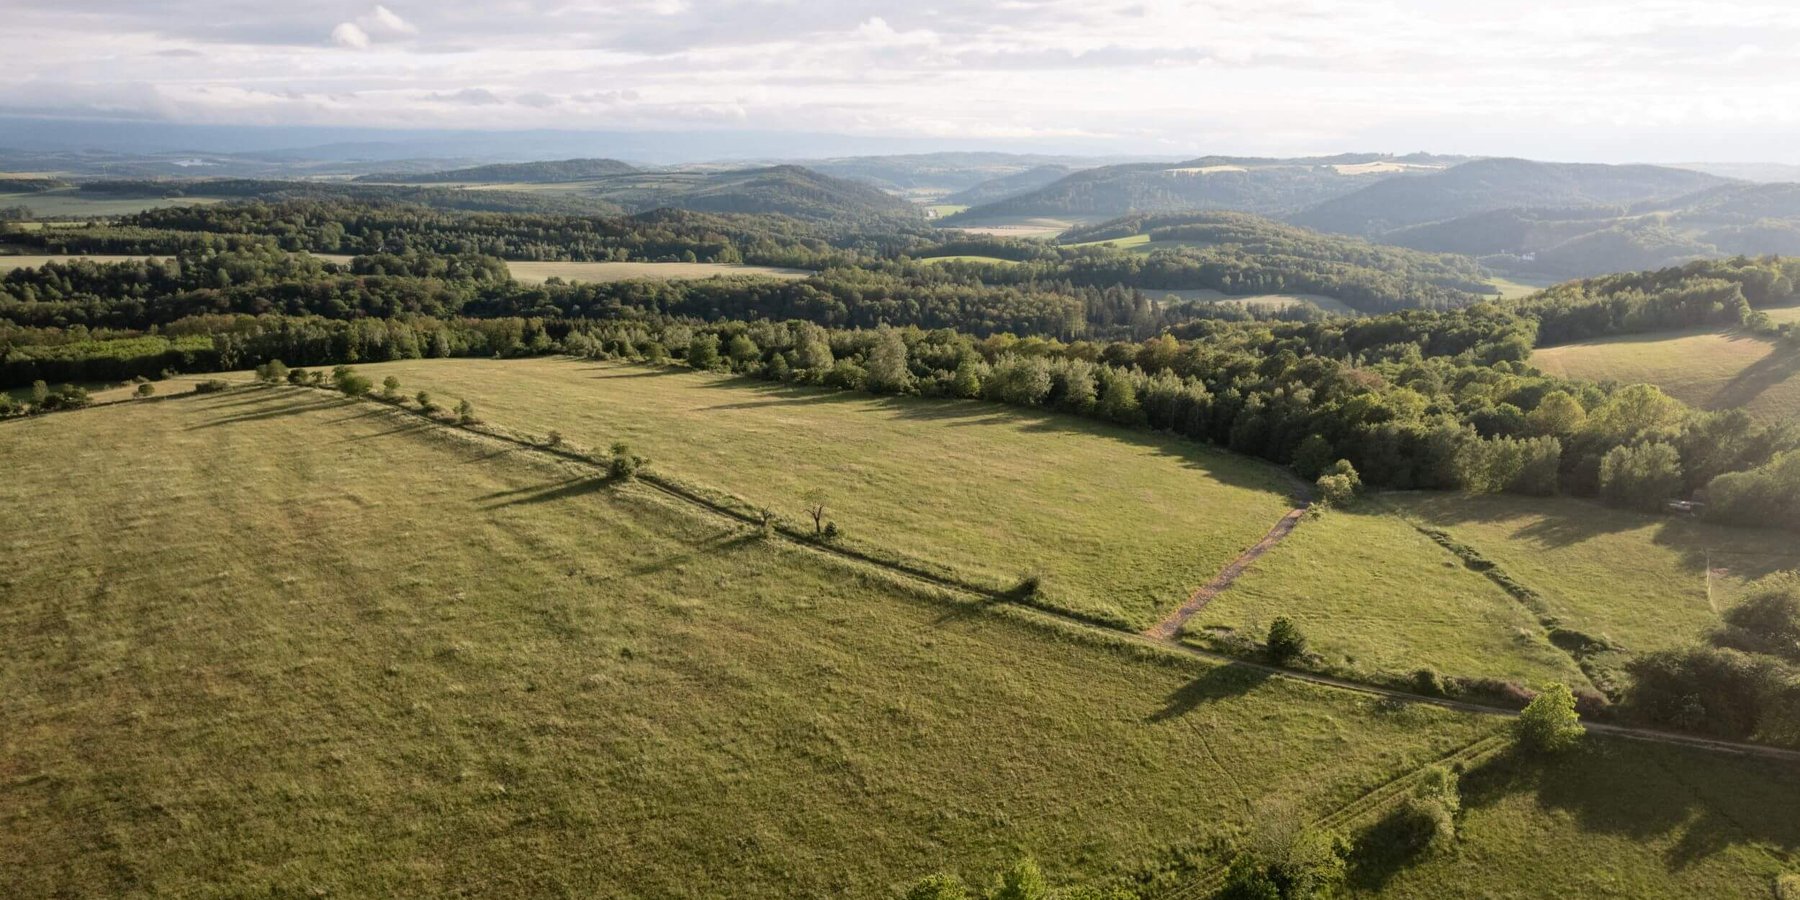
column 1106, row 631
column 1170, row 627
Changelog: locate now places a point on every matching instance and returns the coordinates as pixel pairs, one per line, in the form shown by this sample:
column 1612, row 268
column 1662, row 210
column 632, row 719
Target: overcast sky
column 1608, row 81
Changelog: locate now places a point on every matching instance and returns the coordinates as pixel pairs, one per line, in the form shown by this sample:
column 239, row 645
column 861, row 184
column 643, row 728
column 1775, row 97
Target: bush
column 941, row 886
column 146, row 389
column 831, row 531
column 424, row 401
column 465, row 413
column 1766, row 622
column 353, row 385
column 1642, row 477
column 1339, row 484
column 298, row 376
column 1285, row 641
column 211, row 386
column 1427, row 681
column 1023, row 881
column 1787, row 887
column 553, row 439
column 1549, row 723
column 273, row 372
column 390, row 387
column 1710, row 690
column 624, row 463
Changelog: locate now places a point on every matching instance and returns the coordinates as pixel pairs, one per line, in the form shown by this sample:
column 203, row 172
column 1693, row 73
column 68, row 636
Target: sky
column 1651, row 80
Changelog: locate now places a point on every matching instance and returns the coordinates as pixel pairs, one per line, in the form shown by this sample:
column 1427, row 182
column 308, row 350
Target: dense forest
column 546, row 172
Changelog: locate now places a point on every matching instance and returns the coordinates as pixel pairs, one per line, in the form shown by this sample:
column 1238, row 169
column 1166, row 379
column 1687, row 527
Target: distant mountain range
column 521, row 173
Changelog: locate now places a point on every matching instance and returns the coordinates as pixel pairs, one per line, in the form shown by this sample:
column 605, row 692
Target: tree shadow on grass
column 1384, row 850
column 1776, row 368
column 276, row 408
column 1214, row 462
column 1221, row 682
column 562, row 490
column 724, row 543
column 1647, row 792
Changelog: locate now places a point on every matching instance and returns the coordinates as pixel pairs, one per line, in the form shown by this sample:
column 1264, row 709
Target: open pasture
column 538, row 272
column 75, row 204
column 982, row 489
column 272, row 640
column 1709, row 369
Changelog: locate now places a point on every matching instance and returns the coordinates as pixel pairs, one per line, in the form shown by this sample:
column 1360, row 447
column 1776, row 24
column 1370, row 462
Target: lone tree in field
column 1550, row 724
column 272, row 372
column 1285, row 640
column 624, row 463
column 390, row 387
column 815, row 507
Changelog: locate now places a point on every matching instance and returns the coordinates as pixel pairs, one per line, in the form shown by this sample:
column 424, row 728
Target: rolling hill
column 1724, row 220
column 1491, row 184
column 1008, row 186
column 1266, row 186
column 549, row 172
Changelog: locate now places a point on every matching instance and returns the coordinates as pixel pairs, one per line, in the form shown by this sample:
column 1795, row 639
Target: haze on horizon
column 1604, row 81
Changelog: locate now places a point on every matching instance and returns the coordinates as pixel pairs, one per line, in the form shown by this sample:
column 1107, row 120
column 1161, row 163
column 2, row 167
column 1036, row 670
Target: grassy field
column 1019, row 227
column 72, row 203
column 1711, row 370
column 1614, row 821
column 1511, row 289
column 966, row 258
column 939, row 210
column 1378, row 599
column 32, row 261
column 981, row 488
column 538, row 272
column 1640, row 581
column 279, row 642
column 1329, row 304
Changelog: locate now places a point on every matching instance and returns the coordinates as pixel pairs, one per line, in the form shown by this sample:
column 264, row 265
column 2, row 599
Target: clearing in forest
column 1707, row 369
column 322, row 646
column 1121, row 524
column 538, row 272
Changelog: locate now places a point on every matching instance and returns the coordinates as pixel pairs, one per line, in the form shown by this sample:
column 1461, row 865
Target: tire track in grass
column 1170, row 627
column 1110, row 633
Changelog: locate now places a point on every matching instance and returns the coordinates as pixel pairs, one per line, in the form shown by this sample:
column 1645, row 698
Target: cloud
column 1276, row 76
column 349, row 34
column 379, row 22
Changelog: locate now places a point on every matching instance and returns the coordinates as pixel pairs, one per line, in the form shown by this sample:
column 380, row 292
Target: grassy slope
column 537, row 272
column 73, row 203
column 1613, row 821
column 1711, row 370
column 1639, row 580
column 983, row 488
column 278, row 642
column 1374, row 596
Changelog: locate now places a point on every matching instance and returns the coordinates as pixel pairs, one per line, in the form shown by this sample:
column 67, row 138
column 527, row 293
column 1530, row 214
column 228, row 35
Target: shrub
column 1549, row 723
column 424, row 401
column 1641, row 477
column 146, row 389
column 1787, row 887
column 553, row 439
column 1427, row 681
column 1024, row 881
column 211, row 386
column 831, row 531
column 1711, row 690
column 1029, row 584
column 1766, row 622
column 1313, row 455
column 703, row 351
column 298, row 376
column 272, row 372
column 941, row 886
column 1338, row 485
column 1284, row 859
column 465, row 412
column 624, row 463
column 352, row 384
column 390, row 387
column 1285, row 641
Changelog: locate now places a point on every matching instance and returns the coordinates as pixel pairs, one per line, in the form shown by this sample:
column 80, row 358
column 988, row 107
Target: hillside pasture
column 1378, row 600
column 982, row 489
column 1642, row 582
column 273, row 641
column 1707, row 369
column 1281, row 301
column 539, row 272
column 76, row 204
column 988, row 260
column 36, row 260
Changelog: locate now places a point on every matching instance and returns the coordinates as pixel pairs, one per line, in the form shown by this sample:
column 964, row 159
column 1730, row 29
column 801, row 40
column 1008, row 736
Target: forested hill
column 504, row 173
column 1266, row 186
column 1725, row 220
column 1241, row 253
column 782, row 190
column 1490, row 184
column 1006, row 186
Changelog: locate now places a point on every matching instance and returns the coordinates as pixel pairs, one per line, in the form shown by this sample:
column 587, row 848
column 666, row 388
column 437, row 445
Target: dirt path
column 1066, row 620
column 1170, row 627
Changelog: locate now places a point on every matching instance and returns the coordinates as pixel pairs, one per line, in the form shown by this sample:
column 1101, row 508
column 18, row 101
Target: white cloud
column 1537, row 77
column 349, row 34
